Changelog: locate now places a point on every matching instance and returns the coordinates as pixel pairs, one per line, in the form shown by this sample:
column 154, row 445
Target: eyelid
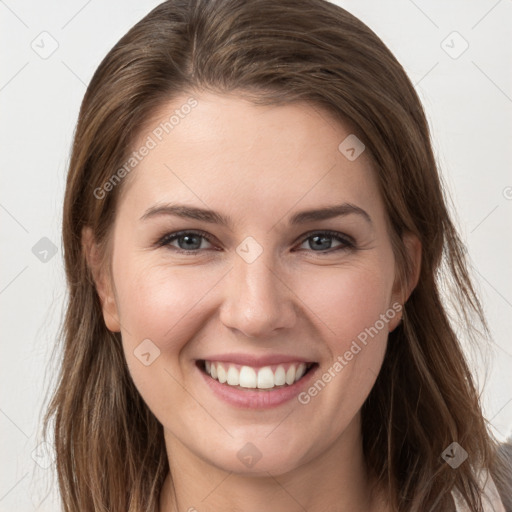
column 335, row 234
column 164, row 240
column 348, row 241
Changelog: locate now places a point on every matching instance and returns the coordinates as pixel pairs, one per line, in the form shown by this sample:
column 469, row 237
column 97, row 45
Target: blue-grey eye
column 187, row 241
column 322, row 241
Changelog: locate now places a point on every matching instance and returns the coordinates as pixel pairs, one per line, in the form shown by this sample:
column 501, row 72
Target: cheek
column 159, row 303
column 346, row 301
column 344, row 304
column 352, row 310
column 165, row 305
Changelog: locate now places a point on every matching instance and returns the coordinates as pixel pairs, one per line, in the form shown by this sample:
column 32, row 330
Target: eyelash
column 348, row 243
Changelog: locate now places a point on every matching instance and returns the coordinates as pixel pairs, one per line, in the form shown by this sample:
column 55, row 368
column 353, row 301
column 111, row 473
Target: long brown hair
column 110, row 450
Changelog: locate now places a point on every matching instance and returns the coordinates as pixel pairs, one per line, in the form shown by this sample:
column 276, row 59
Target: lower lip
column 257, row 399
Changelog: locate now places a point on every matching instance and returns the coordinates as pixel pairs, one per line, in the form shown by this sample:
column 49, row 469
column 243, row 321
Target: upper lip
column 256, row 361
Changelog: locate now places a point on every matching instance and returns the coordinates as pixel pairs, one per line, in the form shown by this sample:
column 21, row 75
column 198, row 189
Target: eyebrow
column 213, row 217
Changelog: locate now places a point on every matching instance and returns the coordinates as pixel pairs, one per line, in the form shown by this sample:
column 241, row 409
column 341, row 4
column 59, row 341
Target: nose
column 258, row 300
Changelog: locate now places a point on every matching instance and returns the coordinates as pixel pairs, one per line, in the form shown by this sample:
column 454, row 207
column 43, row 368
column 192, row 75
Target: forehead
column 225, row 151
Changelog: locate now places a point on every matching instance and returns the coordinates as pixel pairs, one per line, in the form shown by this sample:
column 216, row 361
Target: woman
column 254, row 230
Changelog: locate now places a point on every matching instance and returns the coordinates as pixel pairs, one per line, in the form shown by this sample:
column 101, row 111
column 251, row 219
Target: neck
column 334, row 480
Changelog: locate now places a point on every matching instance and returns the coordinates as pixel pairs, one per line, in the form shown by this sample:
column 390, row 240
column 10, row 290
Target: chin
column 258, row 456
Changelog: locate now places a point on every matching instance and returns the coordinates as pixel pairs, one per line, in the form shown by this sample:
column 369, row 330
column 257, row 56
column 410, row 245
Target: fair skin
column 259, row 166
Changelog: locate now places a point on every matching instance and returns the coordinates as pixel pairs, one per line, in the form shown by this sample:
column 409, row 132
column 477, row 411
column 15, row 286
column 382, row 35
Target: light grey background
column 468, row 99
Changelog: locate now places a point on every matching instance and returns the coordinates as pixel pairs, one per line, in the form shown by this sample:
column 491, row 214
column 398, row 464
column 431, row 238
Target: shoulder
column 491, row 499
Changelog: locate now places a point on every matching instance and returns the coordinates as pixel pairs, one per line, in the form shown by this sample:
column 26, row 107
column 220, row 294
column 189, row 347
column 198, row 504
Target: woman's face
column 260, row 298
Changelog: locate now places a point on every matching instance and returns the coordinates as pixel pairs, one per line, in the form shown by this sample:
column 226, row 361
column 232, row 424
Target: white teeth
column 279, row 376
column 301, row 370
column 221, row 374
column 265, row 378
column 262, row 378
column 247, row 377
column 290, row 375
column 233, row 376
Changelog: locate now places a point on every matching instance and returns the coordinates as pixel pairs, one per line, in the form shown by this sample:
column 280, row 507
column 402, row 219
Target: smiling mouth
column 266, row 378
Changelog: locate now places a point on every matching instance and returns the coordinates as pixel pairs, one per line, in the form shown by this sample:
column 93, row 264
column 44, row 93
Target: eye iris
column 192, row 241
column 187, row 244
column 325, row 241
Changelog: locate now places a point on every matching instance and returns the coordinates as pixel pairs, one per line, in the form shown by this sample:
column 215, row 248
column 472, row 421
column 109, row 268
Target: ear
column 102, row 280
column 402, row 291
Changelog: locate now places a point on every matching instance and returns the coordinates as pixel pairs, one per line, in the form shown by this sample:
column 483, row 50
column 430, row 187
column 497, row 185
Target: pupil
column 319, row 241
column 190, row 240
column 325, row 244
